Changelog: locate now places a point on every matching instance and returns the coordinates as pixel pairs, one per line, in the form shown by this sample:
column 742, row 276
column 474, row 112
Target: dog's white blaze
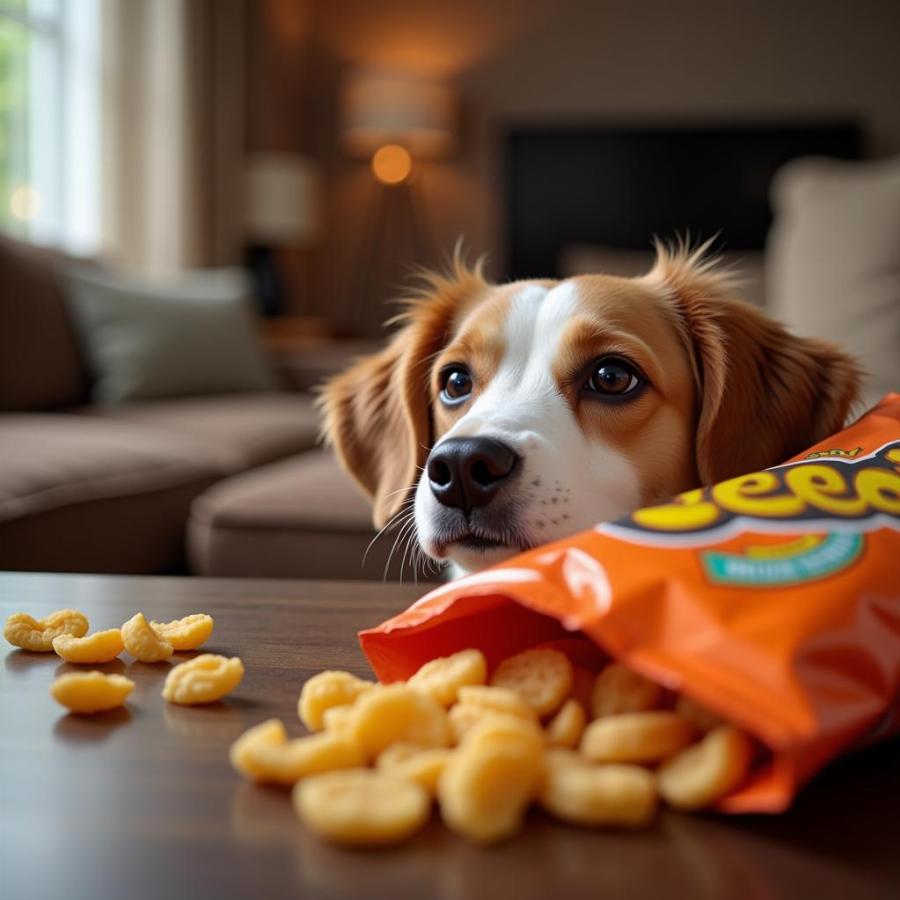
column 569, row 481
column 523, row 388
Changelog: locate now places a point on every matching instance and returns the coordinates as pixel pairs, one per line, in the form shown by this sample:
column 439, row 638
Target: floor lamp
column 393, row 120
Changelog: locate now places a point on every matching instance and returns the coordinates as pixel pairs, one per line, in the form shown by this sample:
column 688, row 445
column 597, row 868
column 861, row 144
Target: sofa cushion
column 834, row 260
column 299, row 518
column 147, row 339
column 239, row 431
column 40, row 364
column 94, row 496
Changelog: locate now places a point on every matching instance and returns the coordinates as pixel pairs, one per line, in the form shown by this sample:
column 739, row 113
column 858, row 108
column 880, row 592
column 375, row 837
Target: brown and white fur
column 722, row 390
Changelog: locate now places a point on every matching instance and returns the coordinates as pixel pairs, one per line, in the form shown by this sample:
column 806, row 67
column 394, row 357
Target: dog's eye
column 613, row 377
column 456, row 384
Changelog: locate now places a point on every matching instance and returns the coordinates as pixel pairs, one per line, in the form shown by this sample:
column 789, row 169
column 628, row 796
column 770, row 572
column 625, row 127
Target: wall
column 540, row 61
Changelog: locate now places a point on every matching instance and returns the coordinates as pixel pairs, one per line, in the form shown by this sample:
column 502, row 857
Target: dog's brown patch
column 621, row 317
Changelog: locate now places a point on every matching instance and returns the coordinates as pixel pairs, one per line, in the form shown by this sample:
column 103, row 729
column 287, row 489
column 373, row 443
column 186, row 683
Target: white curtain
column 173, row 104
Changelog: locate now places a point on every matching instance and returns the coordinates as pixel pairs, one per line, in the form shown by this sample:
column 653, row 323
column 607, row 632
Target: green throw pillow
column 143, row 339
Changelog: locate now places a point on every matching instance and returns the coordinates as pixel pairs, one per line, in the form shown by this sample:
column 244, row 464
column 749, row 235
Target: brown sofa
column 128, row 489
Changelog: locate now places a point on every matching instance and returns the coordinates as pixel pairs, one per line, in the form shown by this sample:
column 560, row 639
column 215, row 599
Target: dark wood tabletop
column 142, row 803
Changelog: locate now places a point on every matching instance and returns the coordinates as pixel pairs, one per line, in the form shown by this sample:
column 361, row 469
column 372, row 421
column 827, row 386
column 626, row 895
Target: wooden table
column 142, row 803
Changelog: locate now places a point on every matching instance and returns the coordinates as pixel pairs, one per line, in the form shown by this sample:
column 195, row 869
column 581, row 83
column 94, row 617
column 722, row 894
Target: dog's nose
column 468, row 472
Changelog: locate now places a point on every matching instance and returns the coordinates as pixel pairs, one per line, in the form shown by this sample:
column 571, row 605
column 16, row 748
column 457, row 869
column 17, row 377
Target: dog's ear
column 764, row 394
column 377, row 425
column 377, row 414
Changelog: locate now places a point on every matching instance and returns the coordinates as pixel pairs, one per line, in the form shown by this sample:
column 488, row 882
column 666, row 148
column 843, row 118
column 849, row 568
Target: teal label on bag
column 807, row 559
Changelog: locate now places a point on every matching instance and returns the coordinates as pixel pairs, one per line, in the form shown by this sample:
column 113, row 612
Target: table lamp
column 280, row 211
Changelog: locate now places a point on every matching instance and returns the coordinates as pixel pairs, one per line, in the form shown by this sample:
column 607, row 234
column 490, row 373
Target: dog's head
column 511, row 415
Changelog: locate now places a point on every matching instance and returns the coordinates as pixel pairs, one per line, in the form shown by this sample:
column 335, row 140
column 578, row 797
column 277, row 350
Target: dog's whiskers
column 402, row 490
column 400, row 517
column 414, row 549
column 411, row 544
column 404, row 530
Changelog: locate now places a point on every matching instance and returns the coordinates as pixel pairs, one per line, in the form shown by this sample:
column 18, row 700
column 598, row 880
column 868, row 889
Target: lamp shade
column 385, row 108
column 281, row 193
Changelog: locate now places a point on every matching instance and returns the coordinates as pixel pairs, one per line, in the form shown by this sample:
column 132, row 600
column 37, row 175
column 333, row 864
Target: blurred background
column 208, row 206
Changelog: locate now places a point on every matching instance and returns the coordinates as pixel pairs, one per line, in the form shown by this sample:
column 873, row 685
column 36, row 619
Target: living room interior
column 208, row 208
column 220, row 679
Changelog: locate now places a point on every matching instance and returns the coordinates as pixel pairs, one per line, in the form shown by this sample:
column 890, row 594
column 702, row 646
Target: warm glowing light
column 392, row 164
column 24, row 202
column 379, row 108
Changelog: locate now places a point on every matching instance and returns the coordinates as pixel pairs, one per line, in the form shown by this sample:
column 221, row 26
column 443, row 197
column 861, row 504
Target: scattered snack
column 619, row 690
column 577, row 792
column 706, row 771
column 398, row 753
column 362, row 807
column 36, row 635
column 325, row 691
column 497, row 699
column 386, row 714
column 477, row 703
column 91, row 692
column 99, row 647
column 542, row 677
column 203, row 679
column 142, row 641
column 188, row 633
column 383, row 752
column 243, row 754
column 444, row 676
column 386, row 750
column 465, row 716
column 566, row 727
column 264, row 753
column 423, row 765
column 491, row 779
column 639, row 737
column 337, row 718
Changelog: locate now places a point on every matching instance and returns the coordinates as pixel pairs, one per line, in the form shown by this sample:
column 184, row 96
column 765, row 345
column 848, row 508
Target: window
column 50, row 121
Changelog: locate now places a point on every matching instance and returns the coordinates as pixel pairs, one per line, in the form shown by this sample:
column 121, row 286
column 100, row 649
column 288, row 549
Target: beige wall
column 540, row 61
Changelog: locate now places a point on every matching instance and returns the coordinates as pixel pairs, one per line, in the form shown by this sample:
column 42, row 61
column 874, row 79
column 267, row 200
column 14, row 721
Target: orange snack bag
column 772, row 599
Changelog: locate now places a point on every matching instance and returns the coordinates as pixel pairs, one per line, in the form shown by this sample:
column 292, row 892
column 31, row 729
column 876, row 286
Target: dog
column 501, row 417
